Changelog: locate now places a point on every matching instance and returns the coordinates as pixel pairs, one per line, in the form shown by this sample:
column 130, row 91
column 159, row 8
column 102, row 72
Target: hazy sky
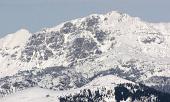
column 37, row 14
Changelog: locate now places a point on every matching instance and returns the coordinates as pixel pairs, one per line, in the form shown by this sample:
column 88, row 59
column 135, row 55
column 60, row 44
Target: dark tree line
column 140, row 92
column 122, row 92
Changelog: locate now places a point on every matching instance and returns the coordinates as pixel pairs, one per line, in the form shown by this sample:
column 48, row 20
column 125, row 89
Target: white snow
column 32, row 95
column 18, row 38
column 106, row 81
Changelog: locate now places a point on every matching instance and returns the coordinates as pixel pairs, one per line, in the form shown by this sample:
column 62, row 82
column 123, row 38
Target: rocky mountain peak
column 112, row 43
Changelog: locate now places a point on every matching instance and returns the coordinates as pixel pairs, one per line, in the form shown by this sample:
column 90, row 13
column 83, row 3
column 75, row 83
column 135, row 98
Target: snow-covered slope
column 99, row 44
column 10, row 51
column 43, row 95
column 102, row 89
column 18, row 38
column 37, row 94
column 106, row 81
column 31, row 95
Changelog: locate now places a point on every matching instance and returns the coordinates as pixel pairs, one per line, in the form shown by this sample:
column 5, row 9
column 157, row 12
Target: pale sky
column 37, row 14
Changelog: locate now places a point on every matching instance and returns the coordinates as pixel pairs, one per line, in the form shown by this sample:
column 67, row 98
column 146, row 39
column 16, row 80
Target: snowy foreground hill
column 98, row 58
column 102, row 89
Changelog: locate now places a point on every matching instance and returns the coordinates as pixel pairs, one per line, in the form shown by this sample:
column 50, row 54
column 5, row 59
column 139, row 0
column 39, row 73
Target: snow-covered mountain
column 83, row 49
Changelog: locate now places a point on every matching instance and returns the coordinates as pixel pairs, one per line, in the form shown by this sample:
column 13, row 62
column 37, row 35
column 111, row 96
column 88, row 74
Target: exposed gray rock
column 68, row 27
column 82, row 48
column 100, row 35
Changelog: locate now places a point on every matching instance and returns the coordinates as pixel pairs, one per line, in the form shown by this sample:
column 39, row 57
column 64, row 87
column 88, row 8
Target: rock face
column 113, row 43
